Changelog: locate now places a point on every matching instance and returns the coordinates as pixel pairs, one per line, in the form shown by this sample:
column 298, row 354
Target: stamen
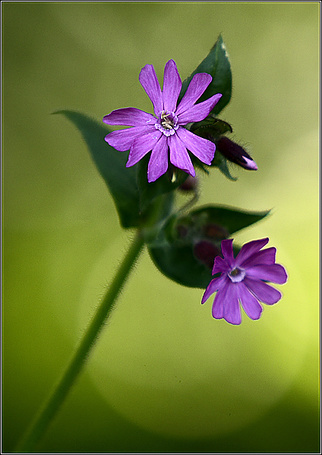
column 167, row 123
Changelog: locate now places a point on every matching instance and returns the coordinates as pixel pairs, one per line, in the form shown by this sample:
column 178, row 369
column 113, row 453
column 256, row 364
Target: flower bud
column 182, row 231
column 190, row 184
column 206, row 252
column 215, row 232
column 235, row 153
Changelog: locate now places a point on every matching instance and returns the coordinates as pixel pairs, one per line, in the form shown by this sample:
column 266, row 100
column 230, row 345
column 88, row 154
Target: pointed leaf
column 230, row 219
column 120, row 180
column 217, row 64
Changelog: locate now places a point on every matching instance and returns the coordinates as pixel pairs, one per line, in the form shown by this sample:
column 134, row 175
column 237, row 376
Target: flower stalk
column 42, row 421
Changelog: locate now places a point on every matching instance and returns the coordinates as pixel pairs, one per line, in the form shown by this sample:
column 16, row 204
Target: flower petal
column 215, row 285
column 122, row 140
column 262, row 291
column 150, row 83
column 251, row 306
column 199, row 111
column 227, row 251
column 142, row 145
column 129, row 116
column 218, row 305
column 232, row 312
column 158, row 163
column 272, row 272
column 197, row 86
column 249, row 164
column 220, row 266
column 179, row 156
column 249, row 249
column 264, row 257
column 171, row 86
column 203, row 149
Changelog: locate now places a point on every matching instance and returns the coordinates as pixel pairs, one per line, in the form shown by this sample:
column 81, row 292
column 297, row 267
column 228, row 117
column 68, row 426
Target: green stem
column 51, row 407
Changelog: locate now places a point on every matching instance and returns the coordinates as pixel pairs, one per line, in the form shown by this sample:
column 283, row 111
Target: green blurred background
column 164, row 376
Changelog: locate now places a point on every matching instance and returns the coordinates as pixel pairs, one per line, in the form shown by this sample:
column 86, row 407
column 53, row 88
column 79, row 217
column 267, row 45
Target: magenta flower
column 243, row 279
column 165, row 131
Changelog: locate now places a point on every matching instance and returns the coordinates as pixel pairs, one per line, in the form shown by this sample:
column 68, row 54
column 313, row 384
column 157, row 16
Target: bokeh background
column 164, row 376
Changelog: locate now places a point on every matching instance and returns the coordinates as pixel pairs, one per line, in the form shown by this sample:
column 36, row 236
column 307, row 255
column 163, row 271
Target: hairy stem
column 43, row 419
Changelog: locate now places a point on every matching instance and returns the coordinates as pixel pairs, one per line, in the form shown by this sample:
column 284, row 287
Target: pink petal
column 232, row 312
column 273, row 272
column 158, row 163
column 263, row 257
column 220, row 265
column 251, row 306
column 129, row 116
column 150, row 83
column 171, row 86
column 197, row 86
column 263, row 291
column 199, row 111
column 122, row 140
column 215, row 285
column 204, row 150
column 179, row 156
column 142, row 145
column 227, row 251
column 249, row 249
column 250, row 164
column 218, row 305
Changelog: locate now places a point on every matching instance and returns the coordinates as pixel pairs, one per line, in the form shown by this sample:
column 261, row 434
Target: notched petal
column 251, row 306
column 262, row 291
column 122, row 140
column 129, row 116
column 179, row 156
column 141, row 146
column 171, row 86
column 274, row 273
column 204, row 150
column 158, row 163
column 150, row 83
column 199, row 111
column 249, row 249
column 196, row 88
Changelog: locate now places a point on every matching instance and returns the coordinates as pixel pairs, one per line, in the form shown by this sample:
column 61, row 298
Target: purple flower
column 243, row 279
column 165, row 131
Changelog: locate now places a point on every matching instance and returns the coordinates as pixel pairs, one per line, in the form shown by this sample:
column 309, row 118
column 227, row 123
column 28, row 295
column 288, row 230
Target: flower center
column 167, row 123
column 237, row 275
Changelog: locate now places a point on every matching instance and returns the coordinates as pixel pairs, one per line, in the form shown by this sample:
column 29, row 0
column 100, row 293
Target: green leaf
column 186, row 246
column 230, row 219
column 179, row 264
column 217, row 64
column 120, row 180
